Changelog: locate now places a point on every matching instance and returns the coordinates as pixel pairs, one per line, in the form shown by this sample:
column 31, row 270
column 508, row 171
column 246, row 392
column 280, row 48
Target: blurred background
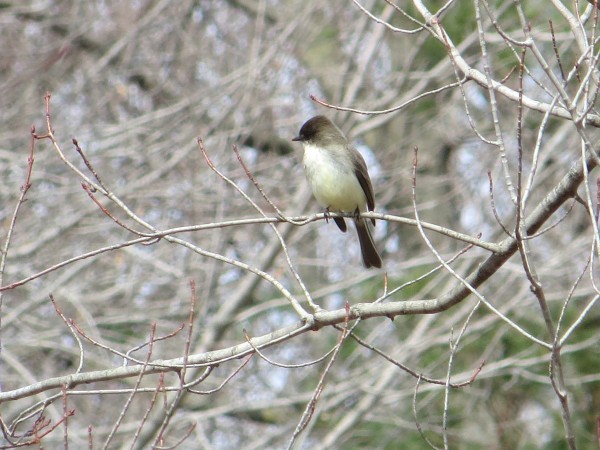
column 137, row 82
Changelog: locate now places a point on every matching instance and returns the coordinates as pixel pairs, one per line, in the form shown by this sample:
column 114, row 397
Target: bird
column 339, row 179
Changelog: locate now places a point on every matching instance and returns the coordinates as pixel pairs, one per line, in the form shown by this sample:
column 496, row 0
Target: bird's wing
column 362, row 173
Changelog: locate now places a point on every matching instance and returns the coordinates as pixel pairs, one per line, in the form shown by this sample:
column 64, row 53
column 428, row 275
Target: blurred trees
column 494, row 341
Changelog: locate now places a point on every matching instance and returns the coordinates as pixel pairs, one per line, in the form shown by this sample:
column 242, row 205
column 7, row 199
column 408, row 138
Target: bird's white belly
column 333, row 181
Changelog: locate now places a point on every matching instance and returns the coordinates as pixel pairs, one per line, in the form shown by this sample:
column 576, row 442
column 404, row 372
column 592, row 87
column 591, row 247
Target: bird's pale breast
column 332, row 179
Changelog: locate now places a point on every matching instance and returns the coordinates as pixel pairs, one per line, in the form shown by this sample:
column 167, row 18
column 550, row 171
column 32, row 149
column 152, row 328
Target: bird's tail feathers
column 369, row 253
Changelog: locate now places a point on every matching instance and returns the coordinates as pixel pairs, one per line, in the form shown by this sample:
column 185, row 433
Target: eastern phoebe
column 339, row 179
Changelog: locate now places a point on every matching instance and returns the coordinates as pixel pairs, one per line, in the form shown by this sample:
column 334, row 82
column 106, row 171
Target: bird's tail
column 370, row 255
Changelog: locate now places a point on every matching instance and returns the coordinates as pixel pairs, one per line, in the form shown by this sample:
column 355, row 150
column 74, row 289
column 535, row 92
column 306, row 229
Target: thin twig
column 89, row 189
column 493, row 205
column 134, row 390
column 88, row 163
column 392, row 109
column 225, row 381
column 285, row 366
column 414, row 373
column 556, row 54
column 453, row 350
column 168, row 415
column 13, row 220
column 288, row 259
column 311, row 405
column 462, row 280
column 295, row 304
column 73, row 333
column 385, row 23
column 155, row 393
column 416, row 417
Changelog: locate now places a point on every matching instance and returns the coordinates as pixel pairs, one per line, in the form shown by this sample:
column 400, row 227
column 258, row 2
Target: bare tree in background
column 167, row 281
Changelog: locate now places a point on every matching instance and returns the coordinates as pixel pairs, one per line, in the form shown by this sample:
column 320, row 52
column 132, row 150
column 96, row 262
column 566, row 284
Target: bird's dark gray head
column 320, row 131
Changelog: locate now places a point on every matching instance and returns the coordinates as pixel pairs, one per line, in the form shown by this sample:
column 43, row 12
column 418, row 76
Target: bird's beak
column 297, row 138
